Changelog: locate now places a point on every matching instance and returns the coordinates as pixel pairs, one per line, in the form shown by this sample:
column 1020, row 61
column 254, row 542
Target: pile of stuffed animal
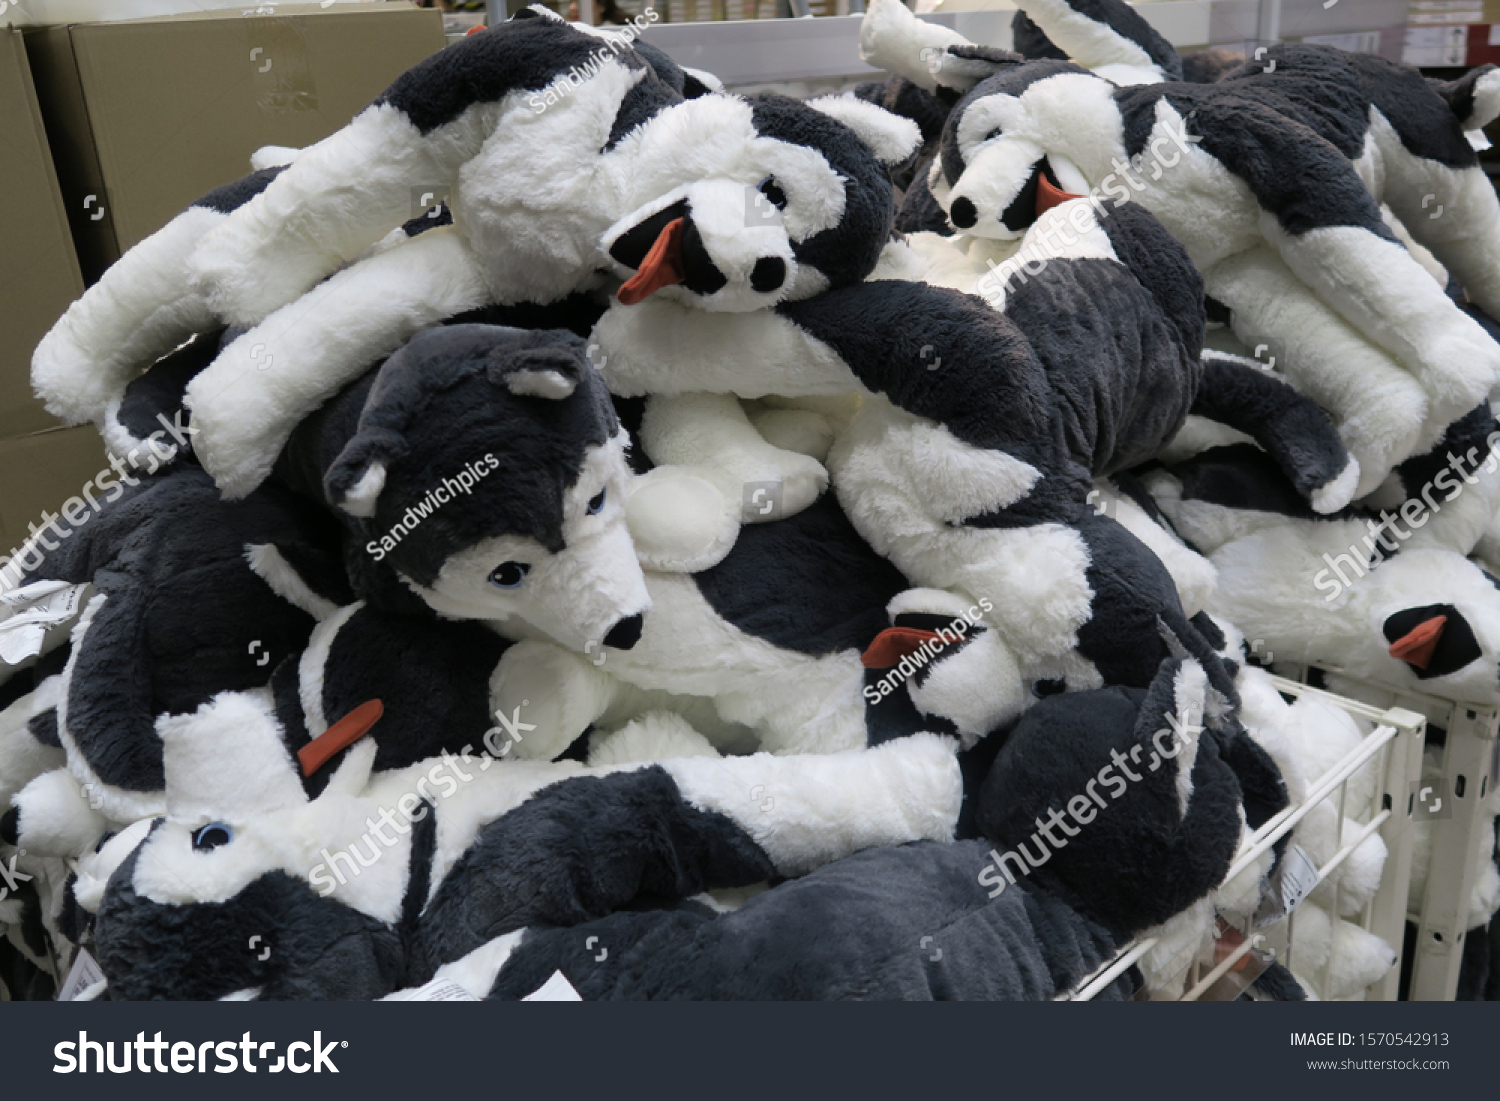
column 705, row 551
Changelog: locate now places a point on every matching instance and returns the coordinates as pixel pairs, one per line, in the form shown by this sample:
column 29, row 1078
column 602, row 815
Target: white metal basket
column 1394, row 742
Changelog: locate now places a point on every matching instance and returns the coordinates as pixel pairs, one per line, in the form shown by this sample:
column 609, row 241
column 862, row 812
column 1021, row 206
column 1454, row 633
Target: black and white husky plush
column 1025, row 913
column 192, row 596
column 770, row 198
column 360, row 886
column 1272, row 177
column 1382, row 592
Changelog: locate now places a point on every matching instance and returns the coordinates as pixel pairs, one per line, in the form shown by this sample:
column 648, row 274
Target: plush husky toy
column 192, row 596
column 371, row 885
column 976, row 446
column 1362, row 591
column 1026, row 913
column 1308, row 266
column 771, row 199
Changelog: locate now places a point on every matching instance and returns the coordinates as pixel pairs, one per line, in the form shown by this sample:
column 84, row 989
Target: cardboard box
column 145, row 116
column 39, row 473
column 38, row 269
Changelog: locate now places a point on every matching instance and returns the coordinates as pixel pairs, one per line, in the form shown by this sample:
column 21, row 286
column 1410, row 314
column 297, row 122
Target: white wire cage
column 1460, row 839
column 1392, row 750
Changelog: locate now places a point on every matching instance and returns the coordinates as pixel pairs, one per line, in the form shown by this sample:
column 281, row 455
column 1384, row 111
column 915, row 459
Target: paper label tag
column 83, row 974
column 441, row 990
column 1297, row 876
column 555, row 989
column 33, row 611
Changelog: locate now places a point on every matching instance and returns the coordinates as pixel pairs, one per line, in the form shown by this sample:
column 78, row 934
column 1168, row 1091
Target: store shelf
column 760, row 51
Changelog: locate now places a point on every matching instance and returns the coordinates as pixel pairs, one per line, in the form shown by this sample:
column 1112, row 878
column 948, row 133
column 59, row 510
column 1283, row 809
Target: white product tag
column 1297, row 876
column 1478, row 138
column 28, row 594
column 33, row 611
column 442, row 990
column 555, row 989
column 83, row 975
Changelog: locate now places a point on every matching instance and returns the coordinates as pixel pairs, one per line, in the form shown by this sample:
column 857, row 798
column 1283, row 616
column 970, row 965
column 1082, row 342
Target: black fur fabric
column 937, row 922
column 178, row 614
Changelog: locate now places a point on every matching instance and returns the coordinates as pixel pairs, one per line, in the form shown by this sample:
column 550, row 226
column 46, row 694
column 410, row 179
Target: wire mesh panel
column 1458, row 815
column 1230, row 957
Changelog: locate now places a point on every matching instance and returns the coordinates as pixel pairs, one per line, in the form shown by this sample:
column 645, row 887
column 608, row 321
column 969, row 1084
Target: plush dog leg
column 1375, row 284
column 304, row 353
column 1292, row 429
column 23, row 756
column 1193, row 574
column 1380, row 409
column 710, row 436
column 1107, row 36
column 53, row 816
column 140, row 310
column 1450, row 209
column 105, row 717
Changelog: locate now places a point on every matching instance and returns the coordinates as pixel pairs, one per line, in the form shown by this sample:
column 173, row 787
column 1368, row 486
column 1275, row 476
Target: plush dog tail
column 140, row 310
column 1108, row 36
column 1295, row 431
column 1474, row 98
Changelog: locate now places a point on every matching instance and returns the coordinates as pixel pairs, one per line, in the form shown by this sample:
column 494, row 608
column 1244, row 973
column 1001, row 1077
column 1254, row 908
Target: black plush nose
column 10, row 826
column 768, row 274
column 625, row 634
column 963, row 214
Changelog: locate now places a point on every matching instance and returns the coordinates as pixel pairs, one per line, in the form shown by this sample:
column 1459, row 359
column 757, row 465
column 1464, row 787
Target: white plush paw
column 543, row 698
column 1337, row 494
column 680, row 520
column 797, row 430
column 654, row 736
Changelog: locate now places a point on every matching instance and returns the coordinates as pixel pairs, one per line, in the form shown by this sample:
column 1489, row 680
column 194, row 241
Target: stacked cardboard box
column 41, row 463
column 111, row 129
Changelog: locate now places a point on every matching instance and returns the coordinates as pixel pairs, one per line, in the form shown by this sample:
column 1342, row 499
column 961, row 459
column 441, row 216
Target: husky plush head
column 772, row 199
column 488, row 471
column 215, row 900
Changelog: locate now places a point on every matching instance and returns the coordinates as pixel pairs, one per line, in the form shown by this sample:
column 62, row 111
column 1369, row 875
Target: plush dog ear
column 891, row 138
column 357, row 477
column 548, row 372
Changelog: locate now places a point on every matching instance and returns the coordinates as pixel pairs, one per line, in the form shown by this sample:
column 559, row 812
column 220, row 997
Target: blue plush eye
column 773, row 193
column 596, row 505
column 210, row 837
column 509, row 575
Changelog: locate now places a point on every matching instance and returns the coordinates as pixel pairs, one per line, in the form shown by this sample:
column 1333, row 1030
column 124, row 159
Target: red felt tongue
column 1048, row 196
column 893, row 644
column 1416, row 647
column 342, row 734
column 662, row 266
